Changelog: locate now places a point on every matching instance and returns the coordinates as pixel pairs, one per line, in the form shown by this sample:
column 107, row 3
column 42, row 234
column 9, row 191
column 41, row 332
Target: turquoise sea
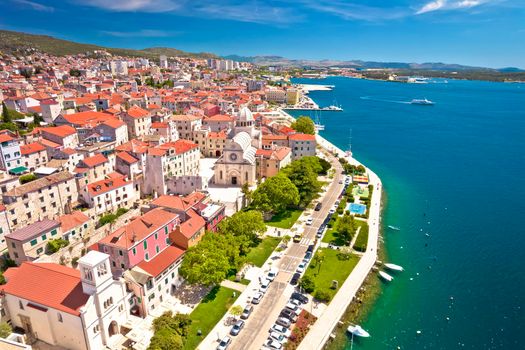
column 456, row 171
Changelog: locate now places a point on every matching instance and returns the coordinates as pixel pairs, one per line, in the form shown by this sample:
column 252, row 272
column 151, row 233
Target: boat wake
column 382, row 100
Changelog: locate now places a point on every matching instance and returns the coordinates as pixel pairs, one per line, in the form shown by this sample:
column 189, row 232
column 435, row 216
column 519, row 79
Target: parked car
column 289, row 314
column 281, row 321
column 236, row 329
column 295, row 308
column 298, row 296
column 280, row 329
column 264, row 286
column 279, row 337
column 295, row 278
column 297, row 238
column 225, row 342
column 337, row 202
column 301, row 267
column 308, row 256
column 257, row 298
column 318, row 206
column 247, row 312
column 273, row 344
column 272, row 274
column 309, row 221
column 331, row 211
column 310, row 248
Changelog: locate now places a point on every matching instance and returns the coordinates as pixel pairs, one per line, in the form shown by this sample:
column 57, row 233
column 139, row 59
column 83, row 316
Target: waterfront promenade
column 320, row 332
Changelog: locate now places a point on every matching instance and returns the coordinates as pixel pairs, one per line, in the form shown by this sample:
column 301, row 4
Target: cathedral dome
column 245, row 115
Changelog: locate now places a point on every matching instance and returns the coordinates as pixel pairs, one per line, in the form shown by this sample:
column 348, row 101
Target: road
column 265, row 314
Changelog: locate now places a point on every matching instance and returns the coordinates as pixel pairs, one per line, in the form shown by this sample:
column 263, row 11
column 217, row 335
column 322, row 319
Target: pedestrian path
column 233, row 285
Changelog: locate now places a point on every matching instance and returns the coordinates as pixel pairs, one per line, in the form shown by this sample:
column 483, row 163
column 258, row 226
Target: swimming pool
column 355, row 208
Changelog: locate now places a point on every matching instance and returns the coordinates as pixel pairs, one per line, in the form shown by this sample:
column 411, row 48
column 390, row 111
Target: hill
column 12, row 42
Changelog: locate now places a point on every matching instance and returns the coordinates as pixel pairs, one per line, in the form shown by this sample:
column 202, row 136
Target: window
column 157, row 249
column 40, row 250
column 60, row 317
column 156, row 235
column 53, row 232
column 145, row 245
column 146, row 256
column 44, row 237
column 20, row 305
column 120, row 253
column 33, row 242
column 166, row 230
column 13, row 244
column 134, row 250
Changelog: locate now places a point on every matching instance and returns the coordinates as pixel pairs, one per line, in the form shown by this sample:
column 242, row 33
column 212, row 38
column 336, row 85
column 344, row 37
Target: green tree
column 165, row 339
column 305, row 179
column 74, row 72
column 304, row 124
column 2, row 278
column 27, row 178
column 5, row 329
column 318, row 260
column 307, row 284
column 246, row 192
column 245, row 226
column 275, row 195
column 6, row 116
column 54, row 245
column 236, row 311
column 178, row 323
column 322, row 295
column 346, row 227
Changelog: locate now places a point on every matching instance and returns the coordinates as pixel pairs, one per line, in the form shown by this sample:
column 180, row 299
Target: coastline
column 354, row 288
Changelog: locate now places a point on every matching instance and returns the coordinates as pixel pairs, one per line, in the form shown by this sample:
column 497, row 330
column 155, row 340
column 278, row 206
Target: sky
column 487, row 33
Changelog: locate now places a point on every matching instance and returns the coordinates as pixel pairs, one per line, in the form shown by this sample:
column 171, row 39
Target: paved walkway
column 233, row 285
column 321, row 330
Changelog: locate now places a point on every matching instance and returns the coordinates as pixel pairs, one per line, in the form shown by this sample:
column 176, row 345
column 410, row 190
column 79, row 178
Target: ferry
column 385, row 276
column 358, row 331
column 423, row 102
column 393, row 267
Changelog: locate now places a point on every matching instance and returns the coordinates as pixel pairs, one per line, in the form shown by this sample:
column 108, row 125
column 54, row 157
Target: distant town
column 172, row 203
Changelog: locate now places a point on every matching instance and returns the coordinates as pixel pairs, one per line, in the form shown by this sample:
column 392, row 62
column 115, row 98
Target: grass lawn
column 259, row 254
column 332, row 268
column 286, row 219
column 242, row 281
column 208, row 313
column 362, row 238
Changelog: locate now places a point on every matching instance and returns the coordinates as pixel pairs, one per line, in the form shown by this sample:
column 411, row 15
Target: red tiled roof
column 70, row 221
column 5, row 138
column 127, row 158
column 161, row 261
column 194, row 224
column 301, row 137
column 52, row 285
column 114, row 123
column 138, row 229
column 180, row 146
column 95, row 160
column 87, row 118
column 61, row 131
column 31, row 148
column 171, row 202
column 219, row 118
column 100, row 187
column 137, row 112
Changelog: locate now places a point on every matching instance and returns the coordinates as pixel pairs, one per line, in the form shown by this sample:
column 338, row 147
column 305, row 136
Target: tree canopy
column 275, row 194
column 303, row 174
column 245, row 227
column 346, row 227
column 304, row 124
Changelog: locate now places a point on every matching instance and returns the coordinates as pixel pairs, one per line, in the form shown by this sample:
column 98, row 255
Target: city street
column 265, row 314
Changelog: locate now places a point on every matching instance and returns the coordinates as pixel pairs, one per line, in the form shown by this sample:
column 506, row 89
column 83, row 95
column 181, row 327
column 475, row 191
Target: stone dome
column 245, row 115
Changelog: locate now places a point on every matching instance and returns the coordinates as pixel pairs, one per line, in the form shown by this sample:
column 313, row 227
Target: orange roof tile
column 194, row 224
column 31, row 148
column 301, row 137
column 95, row 160
column 100, row 187
column 137, row 112
column 126, row 157
column 161, row 261
column 70, row 221
column 61, row 131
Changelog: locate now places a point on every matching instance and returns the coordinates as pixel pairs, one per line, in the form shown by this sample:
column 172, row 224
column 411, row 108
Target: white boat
column 395, row 228
column 358, row 331
column 385, row 276
column 333, row 108
column 393, row 267
column 423, row 102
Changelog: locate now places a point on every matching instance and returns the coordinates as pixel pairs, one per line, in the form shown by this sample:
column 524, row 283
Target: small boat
column 423, row 102
column 385, row 276
column 358, row 331
column 395, row 228
column 393, row 267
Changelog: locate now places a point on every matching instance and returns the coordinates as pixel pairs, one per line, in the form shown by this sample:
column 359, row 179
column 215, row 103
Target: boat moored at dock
column 393, row 267
column 385, row 276
column 358, row 331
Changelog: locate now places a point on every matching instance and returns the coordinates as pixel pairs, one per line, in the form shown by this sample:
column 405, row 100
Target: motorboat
column 393, row 267
column 423, row 102
column 385, row 276
column 395, row 228
column 358, row 331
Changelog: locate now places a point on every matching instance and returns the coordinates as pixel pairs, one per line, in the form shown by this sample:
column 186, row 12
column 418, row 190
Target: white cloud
column 144, row 33
column 35, row 5
column 351, row 11
column 450, row 5
column 133, row 5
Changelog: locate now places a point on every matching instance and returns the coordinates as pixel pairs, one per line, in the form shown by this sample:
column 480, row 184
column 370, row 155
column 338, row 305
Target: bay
column 454, row 170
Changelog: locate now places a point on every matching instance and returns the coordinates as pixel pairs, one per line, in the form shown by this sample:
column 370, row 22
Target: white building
column 65, row 307
column 119, row 67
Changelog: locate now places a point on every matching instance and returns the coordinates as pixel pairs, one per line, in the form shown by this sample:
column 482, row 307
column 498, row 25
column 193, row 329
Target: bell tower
column 95, row 272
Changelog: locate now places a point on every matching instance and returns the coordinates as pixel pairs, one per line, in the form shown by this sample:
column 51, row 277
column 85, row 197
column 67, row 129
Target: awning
column 18, row 170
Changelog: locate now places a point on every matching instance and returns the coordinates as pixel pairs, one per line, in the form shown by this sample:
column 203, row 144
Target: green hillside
column 11, row 42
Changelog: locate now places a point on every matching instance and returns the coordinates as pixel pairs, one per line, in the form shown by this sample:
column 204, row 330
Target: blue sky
column 487, row 33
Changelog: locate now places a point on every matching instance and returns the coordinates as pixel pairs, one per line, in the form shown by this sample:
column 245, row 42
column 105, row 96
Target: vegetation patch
column 285, row 219
column 303, row 324
column 259, row 254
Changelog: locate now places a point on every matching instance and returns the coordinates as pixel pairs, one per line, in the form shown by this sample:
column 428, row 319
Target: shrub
column 5, row 330
column 54, row 245
column 107, row 219
column 121, row 211
column 27, row 178
column 322, row 295
column 307, row 283
column 74, row 261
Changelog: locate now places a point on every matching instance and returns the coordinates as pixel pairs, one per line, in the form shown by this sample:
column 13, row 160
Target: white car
column 332, row 210
column 279, row 337
column 295, row 308
column 257, row 298
column 272, row 274
column 280, row 329
column 309, row 221
column 301, row 267
column 273, row 344
column 295, row 302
